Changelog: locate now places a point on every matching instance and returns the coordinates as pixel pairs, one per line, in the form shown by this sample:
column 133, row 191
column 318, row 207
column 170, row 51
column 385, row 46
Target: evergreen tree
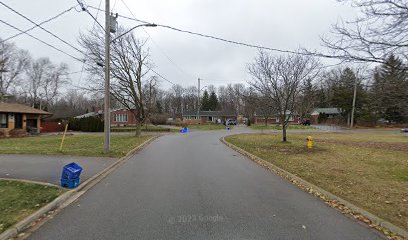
column 307, row 99
column 213, row 102
column 343, row 92
column 389, row 94
column 205, row 101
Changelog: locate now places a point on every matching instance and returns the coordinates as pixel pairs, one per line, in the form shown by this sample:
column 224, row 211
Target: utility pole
column 198, row 100
column 354, row 104
column 106, row 129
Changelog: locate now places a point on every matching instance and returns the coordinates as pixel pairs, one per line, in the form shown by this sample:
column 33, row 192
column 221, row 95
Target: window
column 121, row 117
column 3, row 120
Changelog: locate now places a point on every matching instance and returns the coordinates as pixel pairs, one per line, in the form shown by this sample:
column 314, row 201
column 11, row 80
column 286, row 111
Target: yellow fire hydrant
column 309, row 142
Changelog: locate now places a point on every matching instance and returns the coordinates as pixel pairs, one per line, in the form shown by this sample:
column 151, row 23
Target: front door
column 18, row 120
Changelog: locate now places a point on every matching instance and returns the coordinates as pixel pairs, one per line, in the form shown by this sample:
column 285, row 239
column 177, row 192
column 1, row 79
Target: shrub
column 89, row 124
column 159, row 119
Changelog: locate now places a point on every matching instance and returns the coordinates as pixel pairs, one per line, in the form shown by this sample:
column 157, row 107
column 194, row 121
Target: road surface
column 193, row 187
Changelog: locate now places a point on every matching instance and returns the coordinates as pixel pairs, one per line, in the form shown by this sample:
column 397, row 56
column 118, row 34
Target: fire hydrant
column 309, row 142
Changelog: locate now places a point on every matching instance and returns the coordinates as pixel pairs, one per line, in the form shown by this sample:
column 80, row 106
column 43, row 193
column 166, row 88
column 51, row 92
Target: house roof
column 209, row 114
column 326, row 110
column 20, row 108
column 100, row 112
column 90, row 114
column 271, row 113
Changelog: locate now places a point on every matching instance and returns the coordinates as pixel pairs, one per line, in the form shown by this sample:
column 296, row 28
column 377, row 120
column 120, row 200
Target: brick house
column 122, row 117
column 332, row 115
column 207, row 117
column 20, row 118
column 119, row 117
column 274, row 119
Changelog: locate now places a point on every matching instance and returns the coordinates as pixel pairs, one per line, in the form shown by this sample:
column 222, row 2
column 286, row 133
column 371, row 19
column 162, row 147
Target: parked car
column 306, row 122
column 231, row 122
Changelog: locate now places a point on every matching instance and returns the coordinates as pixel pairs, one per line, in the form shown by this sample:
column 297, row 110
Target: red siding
column 51, row 127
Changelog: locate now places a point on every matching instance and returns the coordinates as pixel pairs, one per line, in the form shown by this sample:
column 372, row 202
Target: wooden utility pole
column 198, row 100
column 354, row 104
column 106, row 145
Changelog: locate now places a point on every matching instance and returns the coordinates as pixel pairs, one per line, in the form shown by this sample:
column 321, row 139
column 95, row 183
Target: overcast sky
column 182, row 58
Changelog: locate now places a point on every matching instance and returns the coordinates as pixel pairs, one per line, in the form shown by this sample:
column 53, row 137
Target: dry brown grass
column 369, row 170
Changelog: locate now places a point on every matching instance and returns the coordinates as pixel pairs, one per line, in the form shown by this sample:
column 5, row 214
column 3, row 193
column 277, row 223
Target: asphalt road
column 47, row 168
column 193, row 187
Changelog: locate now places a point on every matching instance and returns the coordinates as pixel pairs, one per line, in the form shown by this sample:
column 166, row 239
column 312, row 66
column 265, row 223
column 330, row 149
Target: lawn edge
column 42, row 215
column 30, row 181
column 330, row 199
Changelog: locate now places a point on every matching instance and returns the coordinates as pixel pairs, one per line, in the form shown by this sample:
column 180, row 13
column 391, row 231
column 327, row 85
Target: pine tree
column 389, row 93
column 343, row 93
column 205, row 101
column 213, row 102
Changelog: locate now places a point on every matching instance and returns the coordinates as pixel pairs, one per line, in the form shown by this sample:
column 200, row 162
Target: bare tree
column 131, row 82
column 37, row 73
column 279, row 79
column 12, row 64
column 54, row 82
column 373, row 36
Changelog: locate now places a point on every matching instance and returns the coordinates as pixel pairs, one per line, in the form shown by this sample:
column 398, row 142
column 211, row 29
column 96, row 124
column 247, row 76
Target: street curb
column 332, row 200
column 69, row 196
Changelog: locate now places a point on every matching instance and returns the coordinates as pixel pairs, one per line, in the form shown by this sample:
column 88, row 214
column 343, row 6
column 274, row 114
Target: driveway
column 191, row 186
column 47, row 168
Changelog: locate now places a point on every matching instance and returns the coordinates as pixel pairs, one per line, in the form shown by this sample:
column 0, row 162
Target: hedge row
column 89, row 124
column 142, row 129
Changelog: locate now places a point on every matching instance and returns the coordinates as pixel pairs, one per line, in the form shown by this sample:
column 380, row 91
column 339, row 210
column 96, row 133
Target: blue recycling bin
column 70, row 177
column 70, row 183
column 71, row 171
column 185, row 130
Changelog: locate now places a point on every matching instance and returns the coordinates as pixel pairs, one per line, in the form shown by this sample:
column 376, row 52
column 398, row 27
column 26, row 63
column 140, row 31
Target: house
column 19, row 118
column 272, row 118
column 119, row 117
column 207, row 117
column 122, row 117
column 331, row 115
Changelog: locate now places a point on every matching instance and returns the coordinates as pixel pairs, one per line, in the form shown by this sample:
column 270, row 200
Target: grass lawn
column 208, row 126
column 279, row 127
column 80, row 145
column 367, row 169
column 18, row 200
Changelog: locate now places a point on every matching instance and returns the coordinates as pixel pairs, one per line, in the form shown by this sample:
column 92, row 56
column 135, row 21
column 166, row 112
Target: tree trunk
column 284, row 132
column 138, row 129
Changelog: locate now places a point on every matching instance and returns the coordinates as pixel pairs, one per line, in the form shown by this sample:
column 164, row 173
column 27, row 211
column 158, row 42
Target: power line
column 72, row 73
column 316, row 54
column 158, row 74
column 59, row 50
column 126, row 17
column 154, row 42
column 245, row 44
column 95, row 19
column 37, row 25
column 87, row 11
column 46, row 21
column 93, row 27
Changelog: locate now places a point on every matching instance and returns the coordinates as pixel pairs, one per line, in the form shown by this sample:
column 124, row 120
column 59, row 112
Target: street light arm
column 141, row 25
